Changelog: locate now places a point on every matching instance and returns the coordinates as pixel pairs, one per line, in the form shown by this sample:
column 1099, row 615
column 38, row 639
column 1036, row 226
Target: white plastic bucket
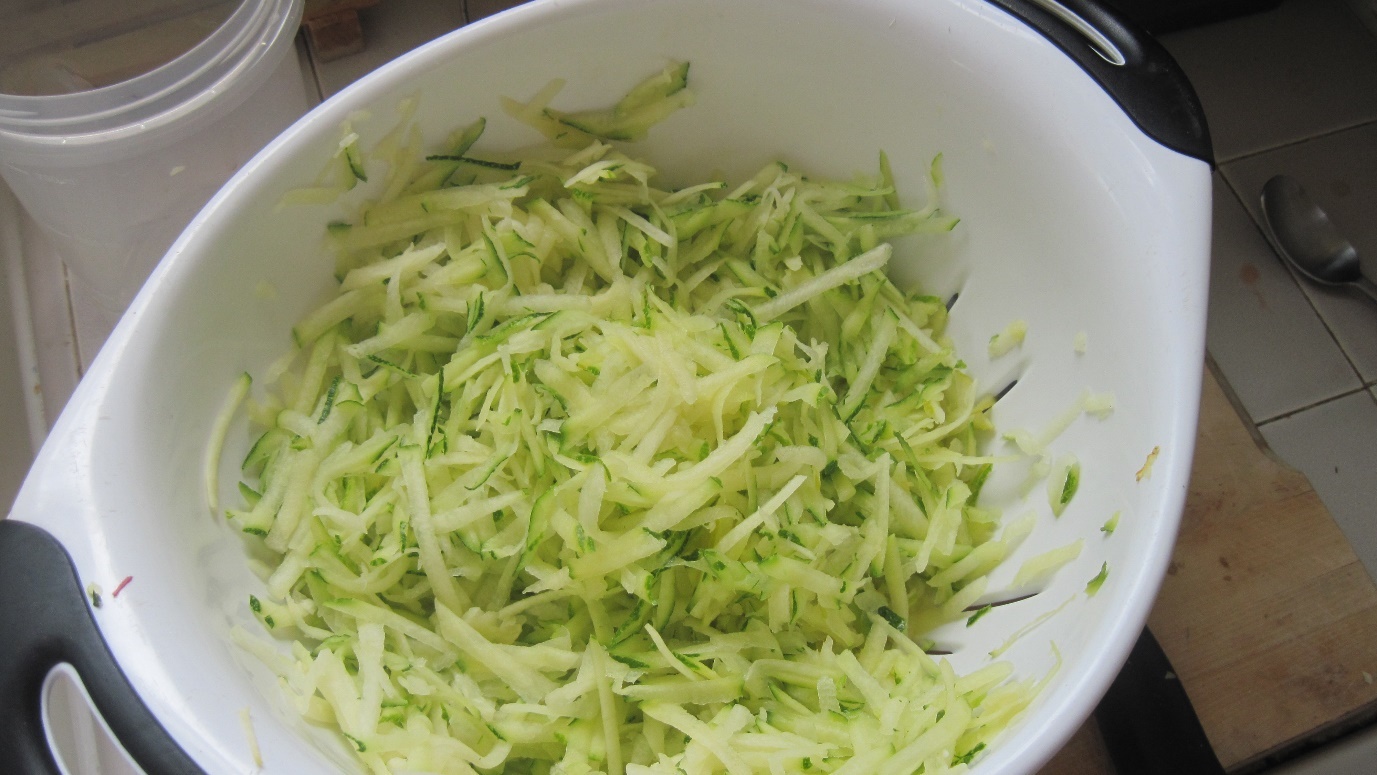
column 113, row 174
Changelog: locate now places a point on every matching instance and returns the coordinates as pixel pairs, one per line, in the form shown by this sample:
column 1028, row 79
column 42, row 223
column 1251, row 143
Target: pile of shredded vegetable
column 579, row 475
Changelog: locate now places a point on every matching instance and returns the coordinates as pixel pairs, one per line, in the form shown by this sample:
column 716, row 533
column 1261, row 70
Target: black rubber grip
column 45, row 621
column 1135, row 70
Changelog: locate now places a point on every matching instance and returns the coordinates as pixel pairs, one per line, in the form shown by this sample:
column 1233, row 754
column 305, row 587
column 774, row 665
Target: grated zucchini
column 580, row 475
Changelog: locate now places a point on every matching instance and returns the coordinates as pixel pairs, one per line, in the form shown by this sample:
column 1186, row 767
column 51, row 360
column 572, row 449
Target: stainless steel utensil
column 1303, row 235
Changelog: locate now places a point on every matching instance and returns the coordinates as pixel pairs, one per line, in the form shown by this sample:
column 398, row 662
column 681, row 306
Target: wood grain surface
column 1266, row 613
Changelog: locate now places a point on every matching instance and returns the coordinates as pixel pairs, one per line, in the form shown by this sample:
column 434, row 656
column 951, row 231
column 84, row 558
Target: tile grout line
column 71, row 321
column 1292, row 413
column 310, row 57
column 1266, row 233
column 1222, row 380
column 1219, row 163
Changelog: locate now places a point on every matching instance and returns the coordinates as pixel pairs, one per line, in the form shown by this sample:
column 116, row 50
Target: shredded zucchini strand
column 581, row 475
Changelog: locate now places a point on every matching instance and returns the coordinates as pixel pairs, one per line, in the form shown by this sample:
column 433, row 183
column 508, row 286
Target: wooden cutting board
column 1266, row 613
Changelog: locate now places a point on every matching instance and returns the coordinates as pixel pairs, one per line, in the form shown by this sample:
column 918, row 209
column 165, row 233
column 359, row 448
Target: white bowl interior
column 1071, row 220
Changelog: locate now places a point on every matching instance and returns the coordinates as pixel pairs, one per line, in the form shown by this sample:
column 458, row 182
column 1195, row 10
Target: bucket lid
column 232, row 56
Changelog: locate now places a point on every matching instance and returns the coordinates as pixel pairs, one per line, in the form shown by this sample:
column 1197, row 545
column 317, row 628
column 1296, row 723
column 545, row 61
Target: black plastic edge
column 1147, row 720
column 1149, row 85
column 45, row 621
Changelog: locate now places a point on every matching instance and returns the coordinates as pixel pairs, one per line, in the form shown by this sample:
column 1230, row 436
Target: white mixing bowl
column 1082, row 211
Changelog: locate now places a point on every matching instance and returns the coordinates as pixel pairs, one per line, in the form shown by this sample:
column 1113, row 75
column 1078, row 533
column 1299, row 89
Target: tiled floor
column 1291, row 90
column 1294, row 91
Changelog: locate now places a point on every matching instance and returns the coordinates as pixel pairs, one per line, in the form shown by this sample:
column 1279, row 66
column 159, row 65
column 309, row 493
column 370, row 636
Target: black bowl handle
column 1130, row 65
column 45, row 621
column 1148, row 722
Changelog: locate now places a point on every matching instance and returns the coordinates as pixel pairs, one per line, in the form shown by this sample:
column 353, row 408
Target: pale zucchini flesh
column 581, row 475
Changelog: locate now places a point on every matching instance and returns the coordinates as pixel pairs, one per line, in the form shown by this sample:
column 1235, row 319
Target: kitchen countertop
column 1289, row 90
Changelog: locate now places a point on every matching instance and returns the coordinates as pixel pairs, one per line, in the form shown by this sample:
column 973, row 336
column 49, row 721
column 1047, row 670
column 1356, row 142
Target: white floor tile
column 390, row 29
column 1340, row 173
column 1335, row 445
column 1272, row 78
column 1272, row 347
column 18, row 376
